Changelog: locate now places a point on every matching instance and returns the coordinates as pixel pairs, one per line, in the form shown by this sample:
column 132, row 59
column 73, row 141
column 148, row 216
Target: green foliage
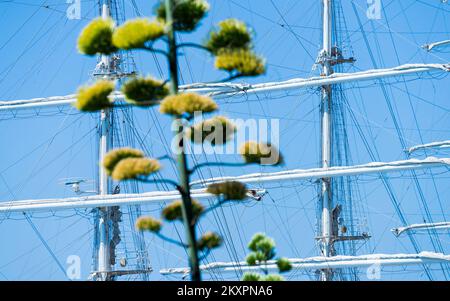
column 255, row 239
column 187, row 103
column 273, row 277
column 96, row 37
column 284, row 265
column 263, row 250
column 260, row 153
column 135, row 33
column 132, row 168
column 231, row 190
column 217, row 130
column 209, row 240
column 260, row 256
column 231, row 34
column 264, row 245
column 242, row 61
column 95, row 97
column 173, row 211
column 148, row 223
column 144, row 91
column 251, row 259
column 115, row 156
column 186, row 13
column 251, row 277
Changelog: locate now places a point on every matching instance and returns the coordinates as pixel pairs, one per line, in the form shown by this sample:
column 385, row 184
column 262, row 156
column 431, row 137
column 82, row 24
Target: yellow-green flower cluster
column 260, row 153
column 244, row 61
column 96, row 37
column 231, row 34
column 186, row 13
column 231, row 190
column 187, row 103
column 115, row 156
column 148, row 223
column 209, row 240
column 132, row 168
column 231, row 44
column 127, row 163
column 135, row 33
column 173, row 211
column 95, row 97
column 217, row 130
column 144, row 91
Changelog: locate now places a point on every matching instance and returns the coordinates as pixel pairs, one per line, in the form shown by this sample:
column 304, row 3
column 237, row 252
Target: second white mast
column 326, row 243
column 103, row 244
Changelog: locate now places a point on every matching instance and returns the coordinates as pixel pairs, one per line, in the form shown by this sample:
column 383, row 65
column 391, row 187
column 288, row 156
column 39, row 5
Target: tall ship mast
column 337, row 170
column 108, row 233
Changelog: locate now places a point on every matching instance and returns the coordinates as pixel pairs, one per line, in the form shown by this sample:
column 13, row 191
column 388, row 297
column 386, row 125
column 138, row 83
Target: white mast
column 103, row 244
column 326, row 243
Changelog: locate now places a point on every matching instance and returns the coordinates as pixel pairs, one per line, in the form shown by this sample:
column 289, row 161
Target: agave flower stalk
column 188, row 217
column 231, row 44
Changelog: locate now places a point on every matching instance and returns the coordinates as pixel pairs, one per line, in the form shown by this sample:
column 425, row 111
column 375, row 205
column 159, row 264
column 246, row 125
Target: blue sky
column 40, row 148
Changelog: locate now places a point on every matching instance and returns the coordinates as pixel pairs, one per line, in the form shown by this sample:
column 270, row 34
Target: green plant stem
column 162, row 181
column 213, row 207
column 166, row 157
column 222, row 164
column 232, row 77
column 188, row 217
column 168, row 239
column 193, row 45
column 151, row 49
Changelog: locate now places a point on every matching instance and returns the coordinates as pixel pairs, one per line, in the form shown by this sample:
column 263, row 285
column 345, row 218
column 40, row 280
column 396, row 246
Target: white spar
column 430, row 47
column 320, row 262
column 54, row 101
column 426, row 226
column 438, row 144
column 338, row 171
column 229, row 89
column 162, row 196
column 233, row 89
column 109, row 200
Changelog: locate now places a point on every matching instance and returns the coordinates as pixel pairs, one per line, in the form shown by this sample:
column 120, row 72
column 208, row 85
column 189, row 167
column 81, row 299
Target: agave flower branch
column 194, row 45
column 171, row 240
column 221, row 164
column 252, row 154
column 166, row 157
column 218, row 204
column 162, row 181
column 231, row 45
column 154, row 50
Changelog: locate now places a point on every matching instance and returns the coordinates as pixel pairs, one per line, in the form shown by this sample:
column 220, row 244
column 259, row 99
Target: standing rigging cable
column 60, row 266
